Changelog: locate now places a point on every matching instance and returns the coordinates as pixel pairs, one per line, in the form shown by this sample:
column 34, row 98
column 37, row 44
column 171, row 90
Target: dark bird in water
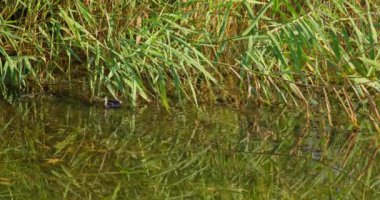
column 110, row 103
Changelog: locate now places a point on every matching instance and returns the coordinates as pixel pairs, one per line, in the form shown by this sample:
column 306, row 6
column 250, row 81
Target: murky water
column 60, row 149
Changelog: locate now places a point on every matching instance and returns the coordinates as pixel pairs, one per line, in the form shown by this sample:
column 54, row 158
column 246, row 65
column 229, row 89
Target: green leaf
column 256, row 20
column 373, row 63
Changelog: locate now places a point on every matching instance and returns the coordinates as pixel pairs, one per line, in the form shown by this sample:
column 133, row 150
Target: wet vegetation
column 221, row 99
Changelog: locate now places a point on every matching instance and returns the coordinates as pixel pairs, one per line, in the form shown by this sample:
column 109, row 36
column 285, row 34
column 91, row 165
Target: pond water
column 60, row 149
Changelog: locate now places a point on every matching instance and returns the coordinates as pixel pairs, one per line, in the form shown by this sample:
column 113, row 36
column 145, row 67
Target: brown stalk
column 328, row 107
column 371, row 102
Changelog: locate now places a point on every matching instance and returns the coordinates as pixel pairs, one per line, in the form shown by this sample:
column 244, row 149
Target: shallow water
column 60, row 149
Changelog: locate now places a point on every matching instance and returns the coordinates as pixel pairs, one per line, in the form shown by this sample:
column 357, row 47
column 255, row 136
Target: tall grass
column 290, row 51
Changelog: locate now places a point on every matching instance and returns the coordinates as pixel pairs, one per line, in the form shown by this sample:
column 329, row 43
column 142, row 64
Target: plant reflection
column 58, row 149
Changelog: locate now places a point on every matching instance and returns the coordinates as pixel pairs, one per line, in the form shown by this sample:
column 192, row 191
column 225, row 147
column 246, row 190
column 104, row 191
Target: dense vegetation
column 290, row 51
column 311, row 66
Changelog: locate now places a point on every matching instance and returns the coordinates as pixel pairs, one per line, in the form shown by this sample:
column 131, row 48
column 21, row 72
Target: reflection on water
column 54, row 149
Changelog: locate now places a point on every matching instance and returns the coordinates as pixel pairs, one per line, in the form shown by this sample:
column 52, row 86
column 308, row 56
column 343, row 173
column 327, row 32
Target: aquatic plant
column 289, row 51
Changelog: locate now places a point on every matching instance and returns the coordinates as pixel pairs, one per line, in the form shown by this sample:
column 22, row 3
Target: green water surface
column 60, row 149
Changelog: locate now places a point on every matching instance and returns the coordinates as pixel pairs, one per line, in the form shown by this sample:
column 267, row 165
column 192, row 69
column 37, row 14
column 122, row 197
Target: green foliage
column 158, row 49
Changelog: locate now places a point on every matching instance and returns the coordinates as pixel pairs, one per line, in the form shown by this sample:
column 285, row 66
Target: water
column 61, row 149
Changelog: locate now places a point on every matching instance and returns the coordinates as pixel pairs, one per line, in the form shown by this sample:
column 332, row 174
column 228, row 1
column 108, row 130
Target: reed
column 141, row 50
